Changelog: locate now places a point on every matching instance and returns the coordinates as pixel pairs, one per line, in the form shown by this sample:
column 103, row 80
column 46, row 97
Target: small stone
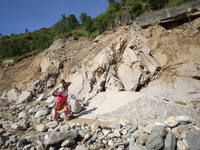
column 138, row 147
column 64, row 128
column 124, row 131
column 2, row 140
column 68, row 142
column 132, row 141
column 155, row 141
column 52, row 124
column 182, row 119
column 115, row 126
column 104, row 142
column 42, row 97
column 41, row 128
column 106, row 132
column 21, row 143
column 161, row 130
column 40, row 147
column 73, row 125
column 143, row 138
column 81, row 147
column 116, row 133
column 181, row 145
column 171, row 122
column 110, row 143
column 148, row 128
column 21, row 114
column 94, row 126
column 138, row 133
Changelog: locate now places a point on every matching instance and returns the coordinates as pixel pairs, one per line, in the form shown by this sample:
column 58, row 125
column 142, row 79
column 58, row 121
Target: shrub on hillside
column 157, row 4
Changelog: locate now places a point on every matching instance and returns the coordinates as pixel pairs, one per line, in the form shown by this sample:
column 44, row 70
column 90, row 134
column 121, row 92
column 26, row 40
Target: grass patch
column 18, row 58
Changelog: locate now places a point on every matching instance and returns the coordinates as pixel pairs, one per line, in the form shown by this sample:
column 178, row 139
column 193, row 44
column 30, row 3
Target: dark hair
column 62, row 81
column 66, row 83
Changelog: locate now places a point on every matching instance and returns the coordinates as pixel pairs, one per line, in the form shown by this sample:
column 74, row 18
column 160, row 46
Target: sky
column 17, row 15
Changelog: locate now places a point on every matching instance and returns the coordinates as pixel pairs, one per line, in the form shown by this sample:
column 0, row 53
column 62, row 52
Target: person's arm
column 62, row 91
column 54, row 90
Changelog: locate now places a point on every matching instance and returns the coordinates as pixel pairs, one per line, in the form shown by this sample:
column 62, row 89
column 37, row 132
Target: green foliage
column 26, row 30
column 83, row 17
column 1, row 34
column 111, row 1
column 193, row 10
column 157, row 4
column 136, row 9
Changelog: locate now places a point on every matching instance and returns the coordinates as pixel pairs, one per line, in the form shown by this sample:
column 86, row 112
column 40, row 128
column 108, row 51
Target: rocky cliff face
column 147, row 73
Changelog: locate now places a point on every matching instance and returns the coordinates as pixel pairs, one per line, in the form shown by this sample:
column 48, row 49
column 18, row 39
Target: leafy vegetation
column 193, row 10
column 18, row 46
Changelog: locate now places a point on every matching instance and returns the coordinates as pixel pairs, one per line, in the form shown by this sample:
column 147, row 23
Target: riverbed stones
column 81, row 147
column 12, row 95
column 2, row 140
column 75, row 106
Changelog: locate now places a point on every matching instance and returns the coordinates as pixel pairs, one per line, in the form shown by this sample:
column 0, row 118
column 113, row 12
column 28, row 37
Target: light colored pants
column 67, row 113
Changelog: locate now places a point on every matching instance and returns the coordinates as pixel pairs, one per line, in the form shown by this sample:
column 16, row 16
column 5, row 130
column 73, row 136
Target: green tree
column 157, row 4
column 88, row 24
column 83, row 18
column 26, row 30
column 1, row 34
column 136, row 8
column 72, row 22
column 111, row 1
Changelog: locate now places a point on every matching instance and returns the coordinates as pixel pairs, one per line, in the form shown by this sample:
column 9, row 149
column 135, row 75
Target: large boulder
column 25, row 97
column 12, row 95
column 58, row 137
column 75, row 106
column 110, row 105
column 42, row 97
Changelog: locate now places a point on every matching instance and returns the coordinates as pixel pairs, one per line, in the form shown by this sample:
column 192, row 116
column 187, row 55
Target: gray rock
column 41, row 113
column 41, row 128
column 161, row 130
column 148, row 128
column 98, row 38
column 91, row 141
column 32, row 148
column 52, row 124
column 81, row 147
column 138, row 133
column 2, row 140
column 170, row 142
column 58, row 137
column 21, row 143
column 132, row 141
column 68, row 142
column 115, row 126
column 25, row 97
column 51, row 82
column 182, row 146
column 138, row 147
column 155, row 141
column 193, row 138
column 64, row 128
column 40, row 147
column 143, row 138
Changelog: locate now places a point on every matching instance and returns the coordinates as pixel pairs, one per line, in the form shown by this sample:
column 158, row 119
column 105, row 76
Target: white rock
column 75, row 106
column 41, row 113
column 186, row 119
column 12, row 95
column 50, row 99
column 116, row 133
column 26, row 96
column 52, row 124
column 41, row 128
column 148, row 128
column 42, row 97
column 21, row 114
column 171, row 122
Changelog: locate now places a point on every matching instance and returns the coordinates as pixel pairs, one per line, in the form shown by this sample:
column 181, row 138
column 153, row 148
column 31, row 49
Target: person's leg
column 56, row 116
column 67, row 113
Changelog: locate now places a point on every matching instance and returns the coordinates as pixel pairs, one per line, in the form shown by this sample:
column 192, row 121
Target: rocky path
column 30, row 126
